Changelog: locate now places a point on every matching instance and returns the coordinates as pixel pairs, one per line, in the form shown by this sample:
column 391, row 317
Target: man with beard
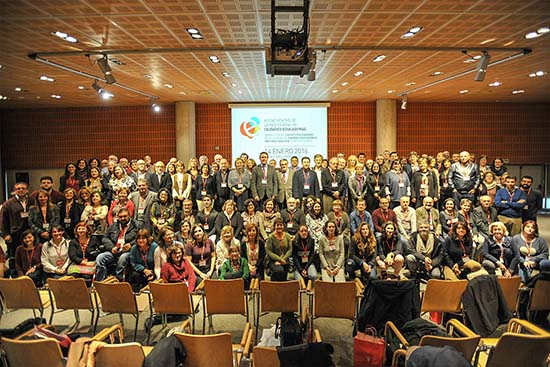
column 425, row 253
column 14, row 217
column 510, row 202
column 292, row 216
column 534, row 199
column 305, row 182
column 46, row 184
column 143, row 200
column 222, row 187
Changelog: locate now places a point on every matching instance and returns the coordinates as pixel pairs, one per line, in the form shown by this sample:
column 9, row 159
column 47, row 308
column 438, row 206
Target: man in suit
column 285, row 176
column 428, row 214
column 222, row 187
column 160, row 179
column 264, row 183
column 482, row 217
column 333, row 184
column 305, row 182
column 143, row 200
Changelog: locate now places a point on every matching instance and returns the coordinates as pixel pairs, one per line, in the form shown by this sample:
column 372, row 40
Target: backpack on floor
column 290, row 329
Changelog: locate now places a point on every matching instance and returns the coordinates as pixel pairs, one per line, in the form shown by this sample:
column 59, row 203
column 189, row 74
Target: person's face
column 84, row 195
column 69, row 195
column 177, row 256
column 118, row 171
column 94, row 163
column 393, row 156
column 123, row 217
column 207, row 202
column 104, row 163
column 171, row 169
column 529, row 229
column 252, row 232
column 361, row 158
column 110, row 166
column 464, row 157
column 141, row 166
column 28, row 240
column 273, row 163
column 239, row 164
column 291, row 204
column 413, row 159
column 142, row 242
column 203, row 160
column 142, row 187
column 122, row 195
column 218, row 158
column 497, row 232
column 198, row 233
column 187, row 207
column 284, row 166
column 318, row 161
column 333, row 164
column 57, row 234
column 303, row 232
column 269, row 206
column 229, row 207
column 526, row 183
column 163, row 196
column 205, row 170
column 96, row 199
column 485, row 202
column 341, row 163
column 134, row 166
column 510, row 183
column 365, row 230
column 159, row 168
column 223, row 164
column 234, row 255
column 384, row 203
column 446, row 163
column 423, row 165
column 250, row 163
column 460, row 231
column 180, row 168
column 483, row 161
column 305, row 163
column 359, row 169
column 263, row 158
column 466, row 207
column 147, row 159
column 376, row 167
column 498, row 163
column 361, row 206
column 185, row 227
column 94, row 173
column 386, row 154
column 449, row 205
column 294, row 162
column 168, row 237
column 250, row 207
column 379, row 159
column 46, row 185
column 439, row 156
column 489, row 178
column 428, row 203
column 42, row 198
column 81, row 231
column 317, row 208
column 337, row 208
column 423, row 229
column 81, row 165
column 396, row 166
column 279, row 227
column 71, row 168
column 389, row 230
column 324, row 164
column 226, row 235
column 331, row 228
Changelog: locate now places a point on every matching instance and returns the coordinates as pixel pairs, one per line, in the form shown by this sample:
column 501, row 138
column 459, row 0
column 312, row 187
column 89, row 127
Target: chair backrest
column 171, row 298
column 71, row 294
column 120, row 355
column 540, row 298
column 116, row 297
column 443, row 295
column 334, row 299
column 466, row 345
column 38, row 352
column 510, row 288
column 20, row 293
column 225, row 296
column 207, row 350
column 514, row 350
column 280, row 296
column 265, row 357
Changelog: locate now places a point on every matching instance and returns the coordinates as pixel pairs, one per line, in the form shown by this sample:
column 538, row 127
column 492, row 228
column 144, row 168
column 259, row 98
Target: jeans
column 106, row 259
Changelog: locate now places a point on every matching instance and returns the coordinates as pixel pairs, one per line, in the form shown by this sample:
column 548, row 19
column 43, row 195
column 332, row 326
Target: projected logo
column 250, row 128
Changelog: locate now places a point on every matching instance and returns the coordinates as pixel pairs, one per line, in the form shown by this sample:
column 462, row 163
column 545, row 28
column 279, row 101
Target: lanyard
column 461, row 243
column 31, row 256
column 392, row 243
column 143, row 257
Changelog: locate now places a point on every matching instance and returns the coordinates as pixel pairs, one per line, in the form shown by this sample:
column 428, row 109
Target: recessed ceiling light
column 169, row 86
column 379, row 58
column 215, row 59
column 3, row 98
column 411, row 32
column 196, row 36
column 463, row 91
column 344, row 84
column 518, row 91
column 487, row 41
column 182, row 93
column 64, row 36
column 531, row 35
column 358, row 73
column 194, row 33
column 81, row 87
column 240, row 92
column 148, row 76
column 1, row 66
column 537, row 73
column 391, row 91
column 47, row 78
column 410, row 83
column 543, row 30
column 508, row 43
column 56, row 96
column 436, row 73
column 192, row 30
column 18, row 89
column 335, row 91
column 233, row 84
column 495, row 84
column 226, row 74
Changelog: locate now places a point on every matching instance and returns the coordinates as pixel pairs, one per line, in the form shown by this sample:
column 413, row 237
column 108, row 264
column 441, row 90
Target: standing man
column 14, row 217
column 264, row 183
column 333, row 184
column 46, row 184
column 160, row 179
column 510, row 202
column 464, row 178
column 285, row 175
column 305, row 182
column 294, row 163
column 143, row 200
column 534, row 199
column 222, row 187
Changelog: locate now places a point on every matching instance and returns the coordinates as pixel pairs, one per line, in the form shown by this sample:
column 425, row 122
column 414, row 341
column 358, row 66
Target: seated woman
column 163, row 212
column 532, row 250
column 332, row 254
column 457, row 253
column 69, row 211
column 227, row 238
column 236, row 266
column 95, row 215
column 250, row 215
column 278, row 250
column 178, row 268
column 121, row 202
column 166, row 239
column 448, row 216
column 390, row 252
column 228, row 216
column 303, row 254
column 315, row 221
column 27, row 258
column 184, row 234
column 498, row 253
column 465, row 212
column 362, row 254
column 142, row 260
column 83, row 250
column 43, row 215
column 267, row 218
column 55, row 254
column 201, row 253
column 253, row 250
column 94, row 182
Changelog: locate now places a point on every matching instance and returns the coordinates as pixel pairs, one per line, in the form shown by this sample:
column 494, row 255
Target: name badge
column 306, row 186
column 264, row 181
column 289, row 225
column 141, row 210
column 24, row 214
column 466, row 178
column 91, row 222
column 224, row 184
column 332, row 247
column 120, row 242
column 376, row 188
column 162, row 221
column 304, row 258
column 46, row 226
column 67, row 221
column 334, row 184
column 466, row 258
column 401, row 184
column 202, row 262
column 206, row 226
column 240, row 186
column 203, row 192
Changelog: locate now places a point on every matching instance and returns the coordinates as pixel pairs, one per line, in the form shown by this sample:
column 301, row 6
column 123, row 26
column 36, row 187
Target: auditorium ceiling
column 151, row 52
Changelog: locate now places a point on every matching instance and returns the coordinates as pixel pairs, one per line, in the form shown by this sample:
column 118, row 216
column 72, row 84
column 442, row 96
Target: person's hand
column 381, row 264
column 126, row 247
column 283, row 262
column 114, row 250
column 507, row 274
column 256, row 198
column 456, row 269
column 31, row 270
column 366, row 268
column 60, row 271
column 7, row 238
column 472, row 191
column 304, row 273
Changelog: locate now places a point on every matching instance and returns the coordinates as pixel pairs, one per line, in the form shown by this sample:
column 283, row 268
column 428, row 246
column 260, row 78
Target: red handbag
column 368, row 349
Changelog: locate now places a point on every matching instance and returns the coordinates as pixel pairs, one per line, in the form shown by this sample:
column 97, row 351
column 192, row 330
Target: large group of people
column 389, row 217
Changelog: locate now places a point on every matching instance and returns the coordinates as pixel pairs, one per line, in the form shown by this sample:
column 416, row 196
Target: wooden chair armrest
column 455, row 326
column 147, row 288
column 248, row 344
column 519, row 326
column 359, row 286
column 110, row 332
column 391, row 328
column 398, row 353
column 245, row 333
column 110, row 279
column 317, row 336
column 309, row 286
column 200, row 287
column 186, row 326
column 302, row 284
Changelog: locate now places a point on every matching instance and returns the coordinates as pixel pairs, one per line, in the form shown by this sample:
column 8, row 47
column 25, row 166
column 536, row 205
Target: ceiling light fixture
column 410, row 83
column 194, row 33
column 463, row 91
column 47, row 78
column 335, row 91
column 379, row 58
column 412, row 32
column 436, row 73
column 518, row 91
column 148, row 76
column 233, row 84
column 312, row 75
column 391, row 91
column 344, row 84
column 404, row 102
column 64, row 36
column 240, row 92
column 18, row 89
column 214, row 59
column 169, row 86
column 495, row 84
column 3, row 98
column 56, row 96
column 538, row 33
column 537, row 73
column 101, row 92
column 154, row 104
column 81, row 87
column 358, row 73
column 481, row 68
column 106, row 69
column 226, row 74
column 487, row 41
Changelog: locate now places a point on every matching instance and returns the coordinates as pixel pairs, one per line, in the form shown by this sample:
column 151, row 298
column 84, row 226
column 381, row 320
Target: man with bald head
column 332, row 184
column 464, row 178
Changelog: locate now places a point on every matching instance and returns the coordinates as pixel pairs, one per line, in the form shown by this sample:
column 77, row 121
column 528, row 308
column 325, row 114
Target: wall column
column 185, row 131
column 386, row 125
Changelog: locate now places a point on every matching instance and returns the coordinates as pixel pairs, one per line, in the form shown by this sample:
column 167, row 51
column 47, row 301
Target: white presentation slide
column 282, row 131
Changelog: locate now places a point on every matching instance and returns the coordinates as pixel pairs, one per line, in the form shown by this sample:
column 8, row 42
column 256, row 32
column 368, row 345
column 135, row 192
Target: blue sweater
column 507, row 205
column 138, row 265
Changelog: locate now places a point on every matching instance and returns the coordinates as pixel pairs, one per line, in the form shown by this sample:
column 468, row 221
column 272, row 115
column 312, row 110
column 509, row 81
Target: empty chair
column 443, row 296
column 21, row 293
column 223, row 297
column 71, row 294
column 118, row 298
column 120, row 355
column 540, row 298
column 335, row 300
column 27, row 353
column 510, row 288
column 512, row 350
column 207, row 350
